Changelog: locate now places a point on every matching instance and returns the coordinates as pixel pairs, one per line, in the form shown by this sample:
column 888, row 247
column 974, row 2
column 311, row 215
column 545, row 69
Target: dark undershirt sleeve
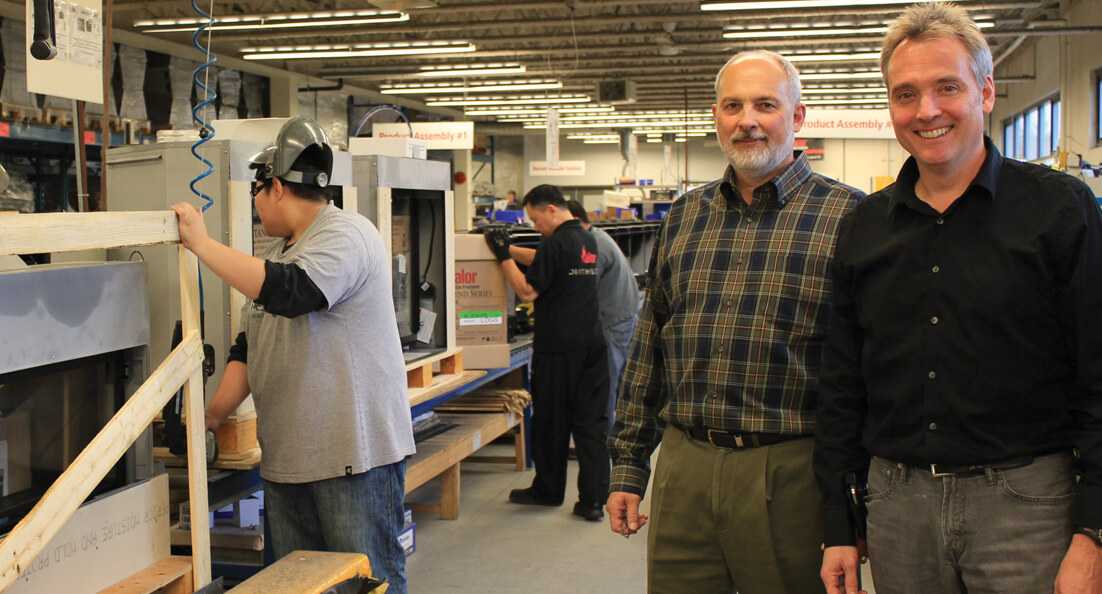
column 240, row 350
column 288, row 291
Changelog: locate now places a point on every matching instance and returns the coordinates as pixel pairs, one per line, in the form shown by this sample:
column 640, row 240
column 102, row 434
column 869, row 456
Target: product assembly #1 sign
column 76, row 69
column 437, row 135
column 847, row 123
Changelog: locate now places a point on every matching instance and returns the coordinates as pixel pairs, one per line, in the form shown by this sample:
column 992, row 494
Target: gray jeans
column 999, row 533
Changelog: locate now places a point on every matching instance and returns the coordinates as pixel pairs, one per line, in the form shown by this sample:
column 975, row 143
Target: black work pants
column 570, row 396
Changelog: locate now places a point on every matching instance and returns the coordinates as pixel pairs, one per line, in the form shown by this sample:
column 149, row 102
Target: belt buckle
column 936, row 474
column 738, row 438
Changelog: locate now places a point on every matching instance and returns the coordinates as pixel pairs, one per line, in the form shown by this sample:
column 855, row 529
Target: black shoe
column 528, row 497
column 591, row 513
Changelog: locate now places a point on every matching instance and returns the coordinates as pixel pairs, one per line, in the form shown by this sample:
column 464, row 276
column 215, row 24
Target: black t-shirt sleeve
column 240, row 350
column 288, row 291
column 541, row 274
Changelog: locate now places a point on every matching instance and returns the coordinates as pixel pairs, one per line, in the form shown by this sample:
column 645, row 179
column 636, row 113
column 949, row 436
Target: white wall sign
column 76, row 72
column 552, row 137
column 847, row 123
column 543, row 168
column 438, row 135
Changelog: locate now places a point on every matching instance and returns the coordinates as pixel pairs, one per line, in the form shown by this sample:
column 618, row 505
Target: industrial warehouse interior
column 585, row 296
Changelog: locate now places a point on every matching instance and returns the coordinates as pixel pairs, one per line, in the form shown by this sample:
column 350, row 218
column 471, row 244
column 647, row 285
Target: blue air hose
column 206, row 130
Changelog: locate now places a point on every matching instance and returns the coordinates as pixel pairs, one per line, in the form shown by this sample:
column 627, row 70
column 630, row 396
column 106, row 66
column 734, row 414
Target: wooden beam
column 306, row 572
column 27, row 539
column 171, row 574
column 196, row 426
column 71, row 231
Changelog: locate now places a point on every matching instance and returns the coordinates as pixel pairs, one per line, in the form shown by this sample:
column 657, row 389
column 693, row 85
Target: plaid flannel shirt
column 731, row 334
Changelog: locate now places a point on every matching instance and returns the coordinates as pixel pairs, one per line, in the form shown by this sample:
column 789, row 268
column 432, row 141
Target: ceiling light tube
column 515, row 100
column 850, row 57
column 859, row 75
column 462, row 70
column 527, row 111
column 443, row 88
column 246, row 22
column 796, row 4
column 778, row 32
column 359, row 50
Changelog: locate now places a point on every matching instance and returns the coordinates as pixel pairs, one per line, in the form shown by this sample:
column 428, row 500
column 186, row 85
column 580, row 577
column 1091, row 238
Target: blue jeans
column 1002, row 532
column 361, row 513
column 617, row 339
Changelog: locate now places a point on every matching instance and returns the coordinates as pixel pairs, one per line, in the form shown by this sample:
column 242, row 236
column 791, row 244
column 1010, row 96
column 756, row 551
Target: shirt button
column 719, row 351
column 940, row 221
column 932, row 375
column 936, row 269
column 933, row 426
column 934, row 320
column 713, row 396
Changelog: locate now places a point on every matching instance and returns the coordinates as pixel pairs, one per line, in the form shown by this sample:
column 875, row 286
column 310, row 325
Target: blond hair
column 933, row 20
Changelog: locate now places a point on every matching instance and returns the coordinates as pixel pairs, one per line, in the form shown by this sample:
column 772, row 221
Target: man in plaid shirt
column 724, row 366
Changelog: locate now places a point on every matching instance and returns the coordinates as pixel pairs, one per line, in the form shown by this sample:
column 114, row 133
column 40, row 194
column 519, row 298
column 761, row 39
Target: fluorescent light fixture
column 824, row 31
column 510, row 100
column 854, row 75
column 640, row 125
column 791, row 4
column 473, row 87
column 850, row 57
column 357, row 50
column 540, row 113
column 601, row 141
column 869, row 101
column 843, row 90
column 462, row 70
column 287, row 20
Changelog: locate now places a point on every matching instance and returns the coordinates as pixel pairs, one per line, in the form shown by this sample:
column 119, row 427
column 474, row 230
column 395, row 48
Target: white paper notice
column 86, row 37
column 428, row 325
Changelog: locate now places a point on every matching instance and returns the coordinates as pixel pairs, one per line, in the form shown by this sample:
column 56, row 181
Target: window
column 1034, row 133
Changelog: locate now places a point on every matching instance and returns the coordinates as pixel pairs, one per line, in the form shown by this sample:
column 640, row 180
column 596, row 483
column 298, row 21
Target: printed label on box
column 481, row 318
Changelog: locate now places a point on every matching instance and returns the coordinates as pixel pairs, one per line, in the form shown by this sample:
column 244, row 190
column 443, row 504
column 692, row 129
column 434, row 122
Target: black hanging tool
column 175, row 430
column 44, row 42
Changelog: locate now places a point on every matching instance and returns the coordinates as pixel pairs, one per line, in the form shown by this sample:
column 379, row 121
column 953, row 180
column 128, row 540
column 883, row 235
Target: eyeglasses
column 257, row 188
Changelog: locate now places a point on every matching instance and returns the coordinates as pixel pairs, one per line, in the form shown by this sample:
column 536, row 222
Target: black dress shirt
column 967, row 337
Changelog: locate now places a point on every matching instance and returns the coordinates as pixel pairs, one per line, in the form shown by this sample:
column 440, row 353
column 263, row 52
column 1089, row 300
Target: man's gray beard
column 757, row 163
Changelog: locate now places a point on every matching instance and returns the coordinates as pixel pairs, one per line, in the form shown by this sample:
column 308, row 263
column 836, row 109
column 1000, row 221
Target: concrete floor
column 499, row 548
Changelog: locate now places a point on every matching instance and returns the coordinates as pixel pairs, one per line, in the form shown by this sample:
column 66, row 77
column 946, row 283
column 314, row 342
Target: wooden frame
column 61, row 232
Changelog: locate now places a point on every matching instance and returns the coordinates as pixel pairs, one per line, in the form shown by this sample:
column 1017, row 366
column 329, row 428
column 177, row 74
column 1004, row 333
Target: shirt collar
column 987, row 178
column 783, row 187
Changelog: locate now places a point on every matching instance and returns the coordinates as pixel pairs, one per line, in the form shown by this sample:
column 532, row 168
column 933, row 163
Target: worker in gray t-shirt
column 619, row 301
column 320, row 352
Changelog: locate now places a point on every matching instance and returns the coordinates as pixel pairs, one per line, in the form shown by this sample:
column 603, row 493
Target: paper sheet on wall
column 76, row 72
column 428, row 325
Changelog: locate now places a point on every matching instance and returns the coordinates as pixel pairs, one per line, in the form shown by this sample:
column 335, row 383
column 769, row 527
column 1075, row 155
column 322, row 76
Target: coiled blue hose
column 206, row 130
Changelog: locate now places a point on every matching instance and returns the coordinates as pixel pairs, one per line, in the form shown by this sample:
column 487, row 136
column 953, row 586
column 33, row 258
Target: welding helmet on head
column 301, row 154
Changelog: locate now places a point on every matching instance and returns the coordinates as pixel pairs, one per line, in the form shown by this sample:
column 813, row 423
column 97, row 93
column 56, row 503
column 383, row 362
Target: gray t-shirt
column 330, row 386
column 618, row 296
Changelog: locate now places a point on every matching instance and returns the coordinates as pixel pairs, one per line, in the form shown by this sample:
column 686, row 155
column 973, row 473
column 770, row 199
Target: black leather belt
column 739, row 441
column 940, row 470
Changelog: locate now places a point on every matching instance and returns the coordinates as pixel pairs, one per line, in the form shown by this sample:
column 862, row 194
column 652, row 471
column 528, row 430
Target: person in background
column 963, row 366
column 618, row 298
column 569, row 365
column 320, row 353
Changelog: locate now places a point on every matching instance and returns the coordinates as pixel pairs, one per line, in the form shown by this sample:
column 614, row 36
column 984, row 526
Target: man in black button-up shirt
column 965, row 350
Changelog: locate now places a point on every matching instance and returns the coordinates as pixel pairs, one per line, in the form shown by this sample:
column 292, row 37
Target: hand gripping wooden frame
column 62, row 232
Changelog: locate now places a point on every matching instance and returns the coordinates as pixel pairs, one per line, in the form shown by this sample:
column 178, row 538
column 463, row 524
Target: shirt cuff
column 1088, row 507
column 629, row 479
column 837, row 530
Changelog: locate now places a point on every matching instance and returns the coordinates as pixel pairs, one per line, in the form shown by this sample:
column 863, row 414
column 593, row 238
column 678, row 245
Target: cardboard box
column 410, row 148
column 482, row 301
